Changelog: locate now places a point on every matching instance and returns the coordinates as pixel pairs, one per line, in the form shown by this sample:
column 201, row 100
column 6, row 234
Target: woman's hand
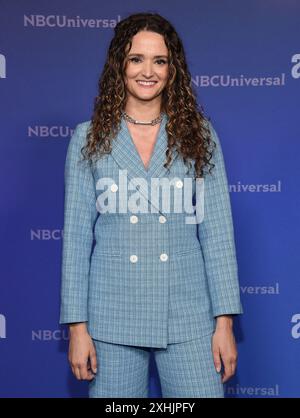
column 224, row 347
column 82, row 353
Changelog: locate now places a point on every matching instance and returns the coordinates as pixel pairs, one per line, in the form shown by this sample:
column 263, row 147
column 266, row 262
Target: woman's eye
column 134, row 59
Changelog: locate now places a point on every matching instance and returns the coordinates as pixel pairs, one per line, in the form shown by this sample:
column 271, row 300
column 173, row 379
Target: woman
column 140, row 273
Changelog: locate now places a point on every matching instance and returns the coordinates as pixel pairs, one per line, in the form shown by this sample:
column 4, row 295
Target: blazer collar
column 127, row 157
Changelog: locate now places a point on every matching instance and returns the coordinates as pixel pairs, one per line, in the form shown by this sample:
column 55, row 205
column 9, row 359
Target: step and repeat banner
column 244, row 58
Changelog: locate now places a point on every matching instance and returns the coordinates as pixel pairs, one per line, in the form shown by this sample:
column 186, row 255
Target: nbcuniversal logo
column 63, row 21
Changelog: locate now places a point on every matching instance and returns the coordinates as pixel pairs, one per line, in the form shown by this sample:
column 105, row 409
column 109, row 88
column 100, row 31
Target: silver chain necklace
column 136, row 122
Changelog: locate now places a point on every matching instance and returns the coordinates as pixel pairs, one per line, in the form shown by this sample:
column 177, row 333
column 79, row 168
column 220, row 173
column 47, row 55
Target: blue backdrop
column 245, row 62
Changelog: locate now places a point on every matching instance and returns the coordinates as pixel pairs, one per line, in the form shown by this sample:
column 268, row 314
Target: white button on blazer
column 162, row 219
column 163, row 257
column 114, row 187
column 134, row 219
column 133, row 258
column 179, row 184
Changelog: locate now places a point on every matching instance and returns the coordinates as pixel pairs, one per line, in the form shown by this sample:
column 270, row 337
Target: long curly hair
column 187, row 127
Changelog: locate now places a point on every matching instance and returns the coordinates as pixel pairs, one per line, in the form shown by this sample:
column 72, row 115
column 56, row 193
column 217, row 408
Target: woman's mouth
column 146, row 84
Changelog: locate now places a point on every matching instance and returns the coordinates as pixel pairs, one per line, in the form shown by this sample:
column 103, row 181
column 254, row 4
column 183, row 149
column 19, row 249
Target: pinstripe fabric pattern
column 150, row 302
column 216, row 236
column 185, row 370
column 123, row 371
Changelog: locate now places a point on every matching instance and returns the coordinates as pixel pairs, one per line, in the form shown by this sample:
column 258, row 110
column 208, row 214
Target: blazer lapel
column 125, row 154
column 127, row 157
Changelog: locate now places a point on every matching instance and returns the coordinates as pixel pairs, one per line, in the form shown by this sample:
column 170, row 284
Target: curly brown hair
column 187, row 127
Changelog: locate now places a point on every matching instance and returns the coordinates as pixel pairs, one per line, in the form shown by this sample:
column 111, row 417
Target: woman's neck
column 143, row 113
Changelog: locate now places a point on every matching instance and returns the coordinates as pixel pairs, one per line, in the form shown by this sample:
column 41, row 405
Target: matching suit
column 146, row 279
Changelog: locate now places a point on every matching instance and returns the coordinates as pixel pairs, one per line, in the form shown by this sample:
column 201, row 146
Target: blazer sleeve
column 79, row 217
column 216, row 236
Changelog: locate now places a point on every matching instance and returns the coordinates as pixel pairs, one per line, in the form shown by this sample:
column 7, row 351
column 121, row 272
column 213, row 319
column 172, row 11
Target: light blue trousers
column 185, row 369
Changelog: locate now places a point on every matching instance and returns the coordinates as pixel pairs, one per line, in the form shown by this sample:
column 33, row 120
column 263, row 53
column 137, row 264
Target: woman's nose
column 147, row 69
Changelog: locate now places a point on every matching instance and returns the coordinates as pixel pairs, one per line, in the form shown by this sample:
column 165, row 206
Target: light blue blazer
column 145, row 278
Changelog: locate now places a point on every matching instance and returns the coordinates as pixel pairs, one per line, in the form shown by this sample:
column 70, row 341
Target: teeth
column 147, row 83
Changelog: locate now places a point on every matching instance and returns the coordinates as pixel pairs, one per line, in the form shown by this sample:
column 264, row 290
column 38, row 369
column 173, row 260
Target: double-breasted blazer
column 138, row 277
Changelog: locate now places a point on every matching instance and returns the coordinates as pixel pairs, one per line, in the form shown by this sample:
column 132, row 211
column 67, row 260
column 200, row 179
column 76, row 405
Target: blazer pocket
column 106, row 252
column 187, row 251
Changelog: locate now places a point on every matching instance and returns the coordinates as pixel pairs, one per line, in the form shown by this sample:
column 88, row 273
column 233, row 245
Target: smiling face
column 147, row 66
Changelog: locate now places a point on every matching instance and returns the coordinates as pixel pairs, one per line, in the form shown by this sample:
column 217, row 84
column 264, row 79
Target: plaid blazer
column 145, row 277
